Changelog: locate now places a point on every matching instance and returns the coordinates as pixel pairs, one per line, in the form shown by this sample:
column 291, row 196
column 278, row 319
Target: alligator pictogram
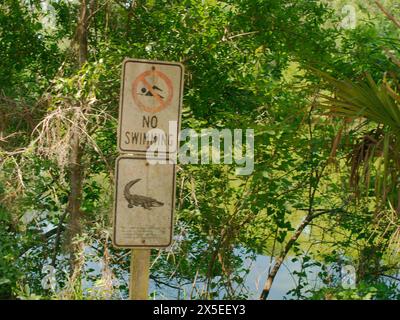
column 138, row 200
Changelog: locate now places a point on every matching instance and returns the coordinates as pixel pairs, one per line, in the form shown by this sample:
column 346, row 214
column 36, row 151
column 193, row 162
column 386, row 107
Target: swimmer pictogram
column 152, row 91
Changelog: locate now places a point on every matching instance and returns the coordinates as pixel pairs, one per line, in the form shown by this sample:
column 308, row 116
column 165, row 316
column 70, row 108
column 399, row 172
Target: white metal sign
column 151, row 97
column 144, row 203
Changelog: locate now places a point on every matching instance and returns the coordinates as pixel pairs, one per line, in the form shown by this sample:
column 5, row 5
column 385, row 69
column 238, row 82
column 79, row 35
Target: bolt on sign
column 144, row 203
column 151, row 97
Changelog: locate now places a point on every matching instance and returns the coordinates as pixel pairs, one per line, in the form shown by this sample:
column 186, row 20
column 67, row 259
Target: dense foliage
column 321, row 95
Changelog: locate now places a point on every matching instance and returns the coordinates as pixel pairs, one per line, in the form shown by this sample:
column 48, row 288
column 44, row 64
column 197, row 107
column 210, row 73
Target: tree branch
column 388, row 14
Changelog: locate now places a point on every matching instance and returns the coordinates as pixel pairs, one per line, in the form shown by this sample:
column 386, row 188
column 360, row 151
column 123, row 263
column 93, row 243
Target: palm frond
column 380, row 105
column 365, row 99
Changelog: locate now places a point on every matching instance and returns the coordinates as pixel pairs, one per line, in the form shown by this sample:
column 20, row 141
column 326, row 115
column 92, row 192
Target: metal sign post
column 144, row 202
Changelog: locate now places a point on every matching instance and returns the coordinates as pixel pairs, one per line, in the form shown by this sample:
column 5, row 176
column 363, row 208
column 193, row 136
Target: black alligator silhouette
column 137, row 200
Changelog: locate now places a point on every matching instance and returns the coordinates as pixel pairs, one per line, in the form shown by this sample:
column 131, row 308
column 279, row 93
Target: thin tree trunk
column 82, row 34
column 129, row 20
column 282, row 256
column 278, row 262
column 76, row 172
column 75, row 197
column 309, row 217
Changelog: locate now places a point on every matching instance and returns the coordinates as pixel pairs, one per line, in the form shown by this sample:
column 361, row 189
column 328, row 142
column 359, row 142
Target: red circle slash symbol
column 152, row 91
